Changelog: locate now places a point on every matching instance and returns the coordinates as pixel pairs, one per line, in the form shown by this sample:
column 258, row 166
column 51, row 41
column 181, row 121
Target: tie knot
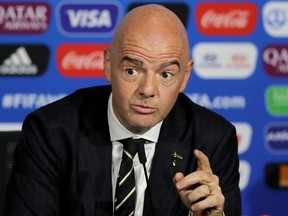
column 131, row 145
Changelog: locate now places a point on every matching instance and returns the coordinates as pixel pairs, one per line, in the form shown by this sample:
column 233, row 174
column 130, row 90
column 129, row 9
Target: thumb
column 178, row 176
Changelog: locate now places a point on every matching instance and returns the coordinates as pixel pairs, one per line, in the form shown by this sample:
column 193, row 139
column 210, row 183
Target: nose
column 148, row 85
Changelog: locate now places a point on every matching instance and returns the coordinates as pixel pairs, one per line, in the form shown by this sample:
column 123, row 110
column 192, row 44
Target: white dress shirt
column 118, row 132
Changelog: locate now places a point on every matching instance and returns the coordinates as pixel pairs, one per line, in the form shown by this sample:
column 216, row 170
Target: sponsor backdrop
column 48, row 49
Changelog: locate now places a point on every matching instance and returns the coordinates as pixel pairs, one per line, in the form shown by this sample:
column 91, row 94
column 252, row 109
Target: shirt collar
column 118, row 131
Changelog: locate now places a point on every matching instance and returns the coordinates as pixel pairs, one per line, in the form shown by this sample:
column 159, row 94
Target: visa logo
column 88, row 19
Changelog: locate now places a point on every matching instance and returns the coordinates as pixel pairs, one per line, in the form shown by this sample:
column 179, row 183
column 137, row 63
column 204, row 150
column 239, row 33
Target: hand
column 200, row 190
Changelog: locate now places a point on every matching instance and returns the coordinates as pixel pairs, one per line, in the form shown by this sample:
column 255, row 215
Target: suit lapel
column 176, row 136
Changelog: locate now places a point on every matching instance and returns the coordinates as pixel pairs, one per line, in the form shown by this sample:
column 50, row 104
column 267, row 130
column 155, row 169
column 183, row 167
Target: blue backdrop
column 48, row 49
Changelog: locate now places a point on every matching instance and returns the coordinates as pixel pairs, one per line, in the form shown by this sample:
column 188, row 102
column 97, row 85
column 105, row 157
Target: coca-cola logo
column 81, row 60
column 90, row 61
column 275, row 59
column 226, row 19
column 232, row 19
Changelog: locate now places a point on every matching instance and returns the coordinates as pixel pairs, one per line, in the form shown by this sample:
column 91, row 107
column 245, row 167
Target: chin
column 140, row 128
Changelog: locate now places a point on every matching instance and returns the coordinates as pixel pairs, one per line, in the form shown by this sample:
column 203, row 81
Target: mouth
column 143, row 109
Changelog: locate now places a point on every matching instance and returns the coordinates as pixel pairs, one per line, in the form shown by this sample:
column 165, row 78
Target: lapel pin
column 175, row 157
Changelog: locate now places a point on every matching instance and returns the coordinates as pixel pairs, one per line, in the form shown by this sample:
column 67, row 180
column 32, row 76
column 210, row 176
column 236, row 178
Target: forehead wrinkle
column 140, row 63
column 161, row 65
column 164, row 59
column 153, row 53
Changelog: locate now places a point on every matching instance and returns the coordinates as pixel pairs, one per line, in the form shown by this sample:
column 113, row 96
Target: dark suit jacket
column 63, row 161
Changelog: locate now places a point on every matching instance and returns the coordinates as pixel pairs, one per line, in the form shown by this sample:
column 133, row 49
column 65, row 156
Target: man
column 70, row 152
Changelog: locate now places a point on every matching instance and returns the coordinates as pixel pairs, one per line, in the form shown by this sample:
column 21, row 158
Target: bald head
column 148, row 65
column 152, row 22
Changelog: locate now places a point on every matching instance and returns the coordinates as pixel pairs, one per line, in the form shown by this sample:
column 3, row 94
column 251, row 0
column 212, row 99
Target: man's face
column 146, row 73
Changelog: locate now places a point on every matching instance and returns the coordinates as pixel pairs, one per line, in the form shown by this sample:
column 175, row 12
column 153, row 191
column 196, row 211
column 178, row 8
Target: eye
column 167, row 75
column 131, row 71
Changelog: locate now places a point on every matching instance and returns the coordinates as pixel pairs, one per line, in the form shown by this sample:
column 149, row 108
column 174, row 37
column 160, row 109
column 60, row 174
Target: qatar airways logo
column 224, row 60
column 24, row 18
column 275, row 60
column 87, row 19
column 81, row 60
column 226, row 18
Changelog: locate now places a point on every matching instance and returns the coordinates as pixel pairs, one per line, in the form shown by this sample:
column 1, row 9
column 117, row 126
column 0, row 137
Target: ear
column 186, row 75
column 107, row 65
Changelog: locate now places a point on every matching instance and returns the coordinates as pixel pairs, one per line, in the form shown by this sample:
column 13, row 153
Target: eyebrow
column 174, row 62
column 132, row 60
column 140, row 63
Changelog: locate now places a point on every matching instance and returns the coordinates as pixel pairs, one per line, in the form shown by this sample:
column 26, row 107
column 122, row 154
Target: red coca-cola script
column 226, row 18
column 81, row 60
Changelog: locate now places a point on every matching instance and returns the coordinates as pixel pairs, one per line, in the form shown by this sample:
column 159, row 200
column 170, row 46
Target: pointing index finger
column 203, row 161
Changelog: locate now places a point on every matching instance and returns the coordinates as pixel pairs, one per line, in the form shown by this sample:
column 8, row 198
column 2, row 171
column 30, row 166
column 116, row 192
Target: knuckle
column 221, row 198
column 216, row 179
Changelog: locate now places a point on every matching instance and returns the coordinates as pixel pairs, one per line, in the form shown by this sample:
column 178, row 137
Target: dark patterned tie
column 125, row 188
